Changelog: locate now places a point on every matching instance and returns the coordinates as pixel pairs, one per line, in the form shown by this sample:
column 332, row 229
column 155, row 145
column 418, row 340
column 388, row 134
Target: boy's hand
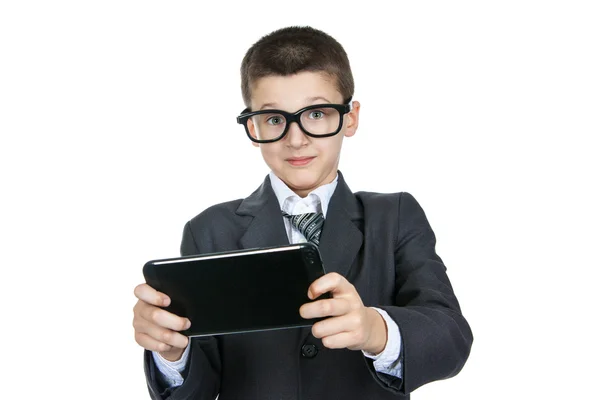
column 352, row 325
column 155, row 328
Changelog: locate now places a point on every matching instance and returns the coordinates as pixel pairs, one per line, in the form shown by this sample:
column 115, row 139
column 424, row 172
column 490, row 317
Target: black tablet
column 239, row 291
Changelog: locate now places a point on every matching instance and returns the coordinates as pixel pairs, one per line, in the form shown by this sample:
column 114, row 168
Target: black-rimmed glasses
column 319, row 120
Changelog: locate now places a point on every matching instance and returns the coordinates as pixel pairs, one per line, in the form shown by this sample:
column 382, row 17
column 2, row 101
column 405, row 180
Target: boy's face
column 304, row 163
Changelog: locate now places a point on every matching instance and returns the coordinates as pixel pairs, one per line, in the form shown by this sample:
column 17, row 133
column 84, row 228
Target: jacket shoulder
column 376, row 197
column 218, row 211
column 216, row 224
column 394, row 200
column 399, row 211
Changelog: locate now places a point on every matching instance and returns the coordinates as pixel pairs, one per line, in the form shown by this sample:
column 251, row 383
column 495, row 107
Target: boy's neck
column 283, row 191
column 302, row 193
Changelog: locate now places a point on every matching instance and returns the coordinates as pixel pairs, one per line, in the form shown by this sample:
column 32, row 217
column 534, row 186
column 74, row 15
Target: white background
column 117, row 123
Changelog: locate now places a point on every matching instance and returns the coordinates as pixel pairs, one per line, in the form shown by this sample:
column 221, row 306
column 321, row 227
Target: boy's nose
column 295, row 137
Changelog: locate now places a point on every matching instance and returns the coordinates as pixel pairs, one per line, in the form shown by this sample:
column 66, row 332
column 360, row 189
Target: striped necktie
column 309, row 224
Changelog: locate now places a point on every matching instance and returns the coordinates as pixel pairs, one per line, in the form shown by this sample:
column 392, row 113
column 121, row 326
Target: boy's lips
column 299, row 161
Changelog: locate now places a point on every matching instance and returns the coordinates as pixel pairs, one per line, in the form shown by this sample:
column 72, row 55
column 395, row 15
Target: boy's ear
column 352, row 120
column 252, row 131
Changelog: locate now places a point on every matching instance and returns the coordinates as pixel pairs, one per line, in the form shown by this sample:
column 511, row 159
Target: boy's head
column 292, row 50
column 289, row 70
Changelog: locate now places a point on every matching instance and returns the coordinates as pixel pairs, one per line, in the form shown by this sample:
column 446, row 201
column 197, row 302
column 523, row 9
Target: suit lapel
column 266, row 228
column 341, row 239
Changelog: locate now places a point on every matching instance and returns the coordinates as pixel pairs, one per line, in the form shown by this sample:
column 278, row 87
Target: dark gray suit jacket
column 383, row 244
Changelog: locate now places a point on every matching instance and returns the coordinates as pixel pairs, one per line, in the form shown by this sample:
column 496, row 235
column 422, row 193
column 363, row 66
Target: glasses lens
column 321, row 121
column 267, row 126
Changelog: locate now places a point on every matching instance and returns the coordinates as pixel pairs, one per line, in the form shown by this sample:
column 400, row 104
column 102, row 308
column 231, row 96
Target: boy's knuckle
column 182, row 324
column 139, row 307
column 361, row 335
column 318, row 328
column 155, row 315
column 140, row 339
column 351, row 304
column 316, row 331
column 325, row 307
column 337, row 278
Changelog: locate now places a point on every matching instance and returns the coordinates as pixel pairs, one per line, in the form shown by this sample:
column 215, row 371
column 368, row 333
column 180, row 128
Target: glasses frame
column 292, row 117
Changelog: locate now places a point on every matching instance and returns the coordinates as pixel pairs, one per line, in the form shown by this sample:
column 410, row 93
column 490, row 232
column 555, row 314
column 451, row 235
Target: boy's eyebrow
column 309, row 100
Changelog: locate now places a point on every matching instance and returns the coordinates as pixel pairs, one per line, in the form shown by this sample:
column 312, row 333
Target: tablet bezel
column 312, row 263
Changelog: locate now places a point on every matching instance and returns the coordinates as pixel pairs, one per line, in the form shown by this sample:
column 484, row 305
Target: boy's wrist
column 172, row 355
column 378, row 337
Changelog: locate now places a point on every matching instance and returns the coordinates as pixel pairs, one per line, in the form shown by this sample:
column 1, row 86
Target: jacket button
column 309, row 350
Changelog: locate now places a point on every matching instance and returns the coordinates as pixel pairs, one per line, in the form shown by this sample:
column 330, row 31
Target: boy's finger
column 149, row 295
column 325, row 308
column 340, row 341
column 149, row 343
column 165, row 319
column 163, row 335
column 335, row 326
column 328, row 327
column 331, row 282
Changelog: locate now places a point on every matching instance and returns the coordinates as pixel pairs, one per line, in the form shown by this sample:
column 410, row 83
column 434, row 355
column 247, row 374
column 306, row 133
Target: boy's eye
column 275, row 120
column 316, row 114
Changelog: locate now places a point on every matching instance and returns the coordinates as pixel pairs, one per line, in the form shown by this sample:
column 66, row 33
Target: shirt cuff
column 171, row 370
column 388, row 361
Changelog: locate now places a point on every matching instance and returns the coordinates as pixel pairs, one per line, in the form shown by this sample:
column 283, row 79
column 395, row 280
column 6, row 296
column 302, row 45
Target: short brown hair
column 288, row 51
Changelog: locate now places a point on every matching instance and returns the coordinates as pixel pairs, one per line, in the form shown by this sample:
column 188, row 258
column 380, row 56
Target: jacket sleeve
column 436, row 338
column 202, row 374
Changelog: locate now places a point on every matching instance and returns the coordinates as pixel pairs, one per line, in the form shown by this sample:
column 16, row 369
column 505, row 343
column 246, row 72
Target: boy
column 393, row 322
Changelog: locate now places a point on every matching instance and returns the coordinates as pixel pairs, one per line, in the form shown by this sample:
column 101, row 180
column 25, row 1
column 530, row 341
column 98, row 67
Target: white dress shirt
column 317, row 201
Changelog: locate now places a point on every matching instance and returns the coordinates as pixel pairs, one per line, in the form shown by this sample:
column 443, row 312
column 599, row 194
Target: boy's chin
column 302, row 180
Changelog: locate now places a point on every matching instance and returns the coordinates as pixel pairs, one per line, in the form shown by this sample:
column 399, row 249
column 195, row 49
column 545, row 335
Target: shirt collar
column 285, row 194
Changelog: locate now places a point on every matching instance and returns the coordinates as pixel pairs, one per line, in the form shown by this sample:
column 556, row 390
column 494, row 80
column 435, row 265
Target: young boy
column 393, row 322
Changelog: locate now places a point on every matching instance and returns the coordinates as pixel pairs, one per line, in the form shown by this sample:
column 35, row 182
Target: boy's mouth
column 299, row 161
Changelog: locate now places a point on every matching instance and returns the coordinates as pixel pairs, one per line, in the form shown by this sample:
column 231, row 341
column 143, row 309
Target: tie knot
column 309, row 224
